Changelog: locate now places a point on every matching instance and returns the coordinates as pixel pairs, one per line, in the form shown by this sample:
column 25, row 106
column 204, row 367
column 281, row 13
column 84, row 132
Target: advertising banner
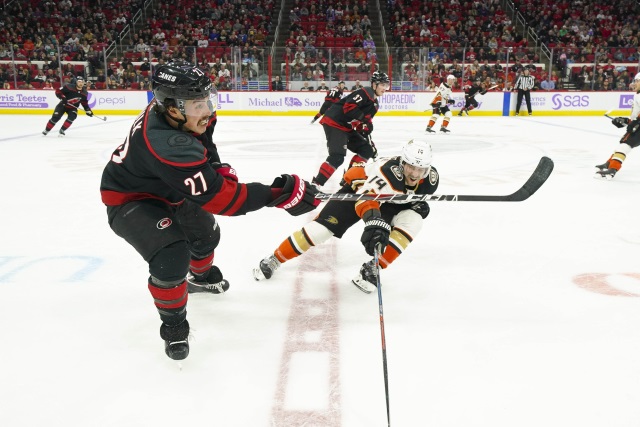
column 392, row 103
column 576, row 103
column 44, row 101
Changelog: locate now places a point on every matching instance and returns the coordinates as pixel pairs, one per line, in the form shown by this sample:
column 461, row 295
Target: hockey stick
column 535, row 181
column 384, row 341
column 607, row 114
column 104, row 119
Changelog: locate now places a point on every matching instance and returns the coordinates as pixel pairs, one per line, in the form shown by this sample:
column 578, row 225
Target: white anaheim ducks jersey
column 443, row 95
column 635, row 108
column 384, row 176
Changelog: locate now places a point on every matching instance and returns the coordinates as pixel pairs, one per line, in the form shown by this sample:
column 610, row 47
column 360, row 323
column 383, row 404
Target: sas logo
column 560, row 101
column 167, row 77
column 292, row 102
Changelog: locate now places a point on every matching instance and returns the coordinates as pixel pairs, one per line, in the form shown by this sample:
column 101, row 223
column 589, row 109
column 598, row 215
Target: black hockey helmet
column 180, row 81
column 378, row 77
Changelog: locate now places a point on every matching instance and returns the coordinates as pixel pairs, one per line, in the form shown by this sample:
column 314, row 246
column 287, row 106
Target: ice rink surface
column 498, row 315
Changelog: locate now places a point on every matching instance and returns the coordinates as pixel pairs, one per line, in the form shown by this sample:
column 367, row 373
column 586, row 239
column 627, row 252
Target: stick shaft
column 535, row 181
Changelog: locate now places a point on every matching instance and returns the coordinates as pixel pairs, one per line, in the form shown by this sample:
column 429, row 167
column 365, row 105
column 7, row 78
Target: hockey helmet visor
column 199, row 107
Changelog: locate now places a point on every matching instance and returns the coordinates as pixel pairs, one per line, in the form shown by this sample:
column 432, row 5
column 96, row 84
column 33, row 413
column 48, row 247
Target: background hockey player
column 348, row 124
column 629, row 141
column 162, row 186
column 333, row 96
column 440, row 105
column 72, row 96
column 390, row 227
column 470, row 92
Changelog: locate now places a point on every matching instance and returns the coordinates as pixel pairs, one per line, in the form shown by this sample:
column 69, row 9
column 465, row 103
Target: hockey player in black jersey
column 71, row 97
column 470, row 92
column 390, row 226
column 162, row 186
column 348, row 125
column 333, row 96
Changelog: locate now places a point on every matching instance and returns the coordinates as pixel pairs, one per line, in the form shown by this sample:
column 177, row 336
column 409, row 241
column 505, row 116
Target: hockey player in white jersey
column 388, row 226
column 629, row 141
column 440, row 105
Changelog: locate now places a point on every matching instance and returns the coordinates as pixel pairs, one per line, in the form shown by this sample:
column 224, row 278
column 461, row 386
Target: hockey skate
column 429, row 130
column 213, row 283
column 176, row 340
column 367, row 279
column 603, row 166
column 606, row 174
column 61, row 133
column 45, row 132
column 267, row 267
column 444, row 130
column 460, row 113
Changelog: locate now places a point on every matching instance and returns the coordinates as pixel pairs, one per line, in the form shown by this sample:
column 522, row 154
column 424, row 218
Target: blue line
column 506, row 101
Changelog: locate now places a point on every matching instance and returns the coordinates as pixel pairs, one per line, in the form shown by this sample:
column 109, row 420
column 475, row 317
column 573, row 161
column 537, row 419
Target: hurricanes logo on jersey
column 332, row 220
column 164, row 223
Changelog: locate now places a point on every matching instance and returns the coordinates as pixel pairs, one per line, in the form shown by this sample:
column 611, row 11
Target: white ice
column 498, row 314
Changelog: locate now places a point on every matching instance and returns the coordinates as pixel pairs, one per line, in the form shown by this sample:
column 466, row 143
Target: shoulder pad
column 173, row 146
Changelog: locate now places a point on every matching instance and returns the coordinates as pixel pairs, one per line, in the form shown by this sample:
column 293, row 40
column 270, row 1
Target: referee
column 524, row 84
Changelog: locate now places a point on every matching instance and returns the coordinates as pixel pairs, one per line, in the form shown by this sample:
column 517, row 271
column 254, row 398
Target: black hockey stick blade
column 535, row 181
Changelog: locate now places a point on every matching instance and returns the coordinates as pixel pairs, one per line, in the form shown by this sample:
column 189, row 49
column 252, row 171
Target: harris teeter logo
column 23, row 100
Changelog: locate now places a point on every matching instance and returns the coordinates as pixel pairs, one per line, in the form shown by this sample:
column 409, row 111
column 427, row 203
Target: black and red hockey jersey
column 334, row 95
column 160, row 162
column 71, row 97
column 361, row 105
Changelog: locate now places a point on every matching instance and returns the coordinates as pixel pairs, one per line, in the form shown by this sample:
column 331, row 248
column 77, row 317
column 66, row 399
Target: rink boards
column 392, row 103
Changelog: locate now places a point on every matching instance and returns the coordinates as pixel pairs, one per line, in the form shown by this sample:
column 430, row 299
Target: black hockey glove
column 620, row 122
column 226, row 171
column 422, row 208
column 633, row 126
column 294, row 195
column 451, row 101
column 376, row 232
column 88, row 113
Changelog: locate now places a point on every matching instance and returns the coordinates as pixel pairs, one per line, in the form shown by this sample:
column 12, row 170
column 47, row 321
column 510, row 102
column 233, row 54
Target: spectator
column 276, row 84
column 547, row 84
column 306, row 87
column 357, row 85
column 322, row 86
column 145, row 64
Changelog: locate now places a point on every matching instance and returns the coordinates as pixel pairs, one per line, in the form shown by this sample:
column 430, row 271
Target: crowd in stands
column 596, row 43
column 57, row 31
column 329, row 39
column 602, row 33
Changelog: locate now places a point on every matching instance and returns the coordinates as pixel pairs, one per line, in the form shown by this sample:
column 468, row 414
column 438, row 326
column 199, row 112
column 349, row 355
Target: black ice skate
column 429, row 130
column 444, row 130
column 45, row 132
column 213, row 283
column 367, row 279
column 606, row 174
column 61, row 133
column 176, row 343
column 603, row 166
column 267, row 267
